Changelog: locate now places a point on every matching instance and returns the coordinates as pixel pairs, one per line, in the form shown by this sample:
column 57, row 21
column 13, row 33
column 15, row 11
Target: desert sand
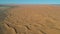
column 30, row 19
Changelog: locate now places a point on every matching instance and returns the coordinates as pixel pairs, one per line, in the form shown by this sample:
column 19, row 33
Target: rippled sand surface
column 30, row 19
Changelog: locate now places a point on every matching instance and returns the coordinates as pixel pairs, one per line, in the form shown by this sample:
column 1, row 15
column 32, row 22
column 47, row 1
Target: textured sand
column 30, row 19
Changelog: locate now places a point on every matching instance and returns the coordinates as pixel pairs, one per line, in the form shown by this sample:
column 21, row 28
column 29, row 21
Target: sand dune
column 30, row 19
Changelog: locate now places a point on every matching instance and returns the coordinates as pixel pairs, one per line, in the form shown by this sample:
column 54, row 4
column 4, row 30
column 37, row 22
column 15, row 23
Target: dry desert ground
column 30, row 19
